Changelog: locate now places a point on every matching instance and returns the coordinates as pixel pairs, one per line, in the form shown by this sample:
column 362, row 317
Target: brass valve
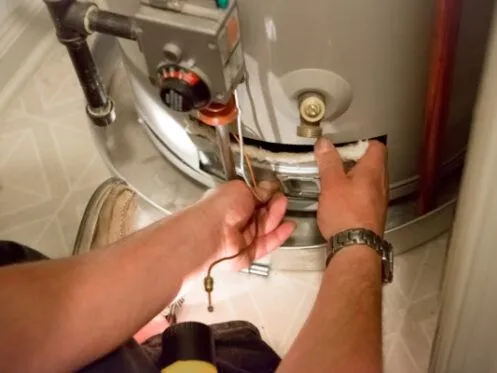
column 312, row 108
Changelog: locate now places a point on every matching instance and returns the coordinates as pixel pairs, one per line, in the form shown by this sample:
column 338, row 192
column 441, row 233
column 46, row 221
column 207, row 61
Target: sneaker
column 109, row 216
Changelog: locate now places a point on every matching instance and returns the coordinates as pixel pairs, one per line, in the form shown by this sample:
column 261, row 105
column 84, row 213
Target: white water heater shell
column 370, row 60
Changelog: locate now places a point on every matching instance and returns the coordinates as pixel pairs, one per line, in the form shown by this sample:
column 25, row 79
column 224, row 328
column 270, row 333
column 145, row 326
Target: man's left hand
column 237, row 212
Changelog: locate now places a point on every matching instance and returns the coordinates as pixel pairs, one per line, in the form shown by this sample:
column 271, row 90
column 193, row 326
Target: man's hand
column 357, row 199
column 236, row 211
column 343, row 331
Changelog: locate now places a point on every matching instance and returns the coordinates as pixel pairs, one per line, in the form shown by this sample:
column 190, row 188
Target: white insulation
column 351, row 152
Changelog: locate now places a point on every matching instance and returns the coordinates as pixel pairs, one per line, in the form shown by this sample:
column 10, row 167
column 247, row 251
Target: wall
column 467, row 340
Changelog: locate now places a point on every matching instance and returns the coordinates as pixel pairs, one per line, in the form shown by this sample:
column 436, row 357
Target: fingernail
column 263, row 194
column 270, row 185
column 266, row 189
column 293, row 222
column 323, row 145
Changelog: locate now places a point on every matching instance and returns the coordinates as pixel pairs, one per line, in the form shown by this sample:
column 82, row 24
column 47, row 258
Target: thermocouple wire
column 251, row 183
column 244, row 158
column 241, row 143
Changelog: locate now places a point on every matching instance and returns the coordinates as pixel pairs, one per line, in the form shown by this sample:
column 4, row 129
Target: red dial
column 182, row 89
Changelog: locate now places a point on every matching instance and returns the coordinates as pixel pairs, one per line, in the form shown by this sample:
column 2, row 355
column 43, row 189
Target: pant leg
column 239, row 349
column 14, row 253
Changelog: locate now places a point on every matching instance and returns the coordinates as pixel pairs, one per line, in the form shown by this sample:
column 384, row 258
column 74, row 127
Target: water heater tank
column 369, row 61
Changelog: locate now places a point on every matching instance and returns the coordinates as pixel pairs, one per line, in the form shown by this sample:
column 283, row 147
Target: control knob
column 182, row 89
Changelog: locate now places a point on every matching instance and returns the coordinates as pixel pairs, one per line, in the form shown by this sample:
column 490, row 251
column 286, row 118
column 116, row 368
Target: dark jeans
column 239, row 347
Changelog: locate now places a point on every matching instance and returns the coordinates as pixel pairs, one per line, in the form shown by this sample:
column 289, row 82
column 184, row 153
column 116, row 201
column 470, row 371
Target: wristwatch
column 365, row 237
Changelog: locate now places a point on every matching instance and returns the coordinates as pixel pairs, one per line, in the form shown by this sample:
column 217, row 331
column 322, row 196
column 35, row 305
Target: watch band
column 364, row 237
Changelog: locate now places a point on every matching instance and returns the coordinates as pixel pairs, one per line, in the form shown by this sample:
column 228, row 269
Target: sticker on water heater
column 233, row 30
column 234, row 67
column 229, row 37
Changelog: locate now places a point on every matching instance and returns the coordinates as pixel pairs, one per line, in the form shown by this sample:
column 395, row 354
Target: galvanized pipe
column 112, row 24
column 100, row 107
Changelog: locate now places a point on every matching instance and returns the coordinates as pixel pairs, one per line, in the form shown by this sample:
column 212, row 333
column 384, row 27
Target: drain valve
column 312, row 111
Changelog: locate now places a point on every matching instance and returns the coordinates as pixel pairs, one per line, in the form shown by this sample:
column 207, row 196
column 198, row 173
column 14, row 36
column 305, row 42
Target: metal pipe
column 444, row 44
column 260, row 267
column 225, row 153
column 100, row 107
column 58, row 10
column 86, row 18
column 112, row 24
column 258, row 270
column 88, row 76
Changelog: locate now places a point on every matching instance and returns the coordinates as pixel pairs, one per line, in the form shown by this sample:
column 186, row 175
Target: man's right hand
column 351, row 340
column 357, row 199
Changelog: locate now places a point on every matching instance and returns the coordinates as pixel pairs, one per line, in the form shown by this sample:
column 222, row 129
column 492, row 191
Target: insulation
column 348, row 153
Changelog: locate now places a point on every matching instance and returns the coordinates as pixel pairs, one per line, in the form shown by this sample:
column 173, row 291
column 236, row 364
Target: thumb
column 266, row 189
column 329, row 162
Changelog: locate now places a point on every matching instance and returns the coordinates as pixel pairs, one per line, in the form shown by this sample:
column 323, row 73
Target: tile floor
column 49, row 166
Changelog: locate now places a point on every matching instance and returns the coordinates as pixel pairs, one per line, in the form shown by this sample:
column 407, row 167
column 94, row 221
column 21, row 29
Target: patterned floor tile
column 407, row 269
column 400, row 360
column 23, row 170
column 9, row 143
column 300, row 317
column 432, row 270
column 413, row 333
column 48, row 160
column 27, row 233
column 52, row 242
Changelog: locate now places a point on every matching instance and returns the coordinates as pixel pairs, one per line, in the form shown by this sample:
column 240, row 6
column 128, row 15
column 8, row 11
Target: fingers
column 329, row 162
column 267, row 243
column 375, row 157
column 273, row 215
column 267, row 218
column 373, row 164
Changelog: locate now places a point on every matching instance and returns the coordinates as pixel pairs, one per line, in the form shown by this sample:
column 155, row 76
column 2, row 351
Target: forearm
column 343, row 332
column 80, row 308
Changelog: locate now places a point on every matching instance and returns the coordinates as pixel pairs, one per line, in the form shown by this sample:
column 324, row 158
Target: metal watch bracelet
column 364, row 237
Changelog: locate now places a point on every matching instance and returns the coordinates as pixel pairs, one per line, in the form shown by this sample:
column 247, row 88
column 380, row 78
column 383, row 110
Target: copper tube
column 220, row 117
column 218, row 114
column 249, row 164
column 444, row 44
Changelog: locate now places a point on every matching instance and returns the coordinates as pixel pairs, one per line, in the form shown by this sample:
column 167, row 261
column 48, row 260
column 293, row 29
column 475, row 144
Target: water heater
column 348, row 70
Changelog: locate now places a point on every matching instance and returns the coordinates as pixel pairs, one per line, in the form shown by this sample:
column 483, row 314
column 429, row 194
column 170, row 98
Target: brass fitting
column 209, row 288
column 312, row 108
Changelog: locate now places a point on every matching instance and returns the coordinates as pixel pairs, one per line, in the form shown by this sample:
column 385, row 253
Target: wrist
column 194, row 235
column 364, row 241
column 206, row 230
column 329, row 232
column 359, row 252
column 356, row 261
